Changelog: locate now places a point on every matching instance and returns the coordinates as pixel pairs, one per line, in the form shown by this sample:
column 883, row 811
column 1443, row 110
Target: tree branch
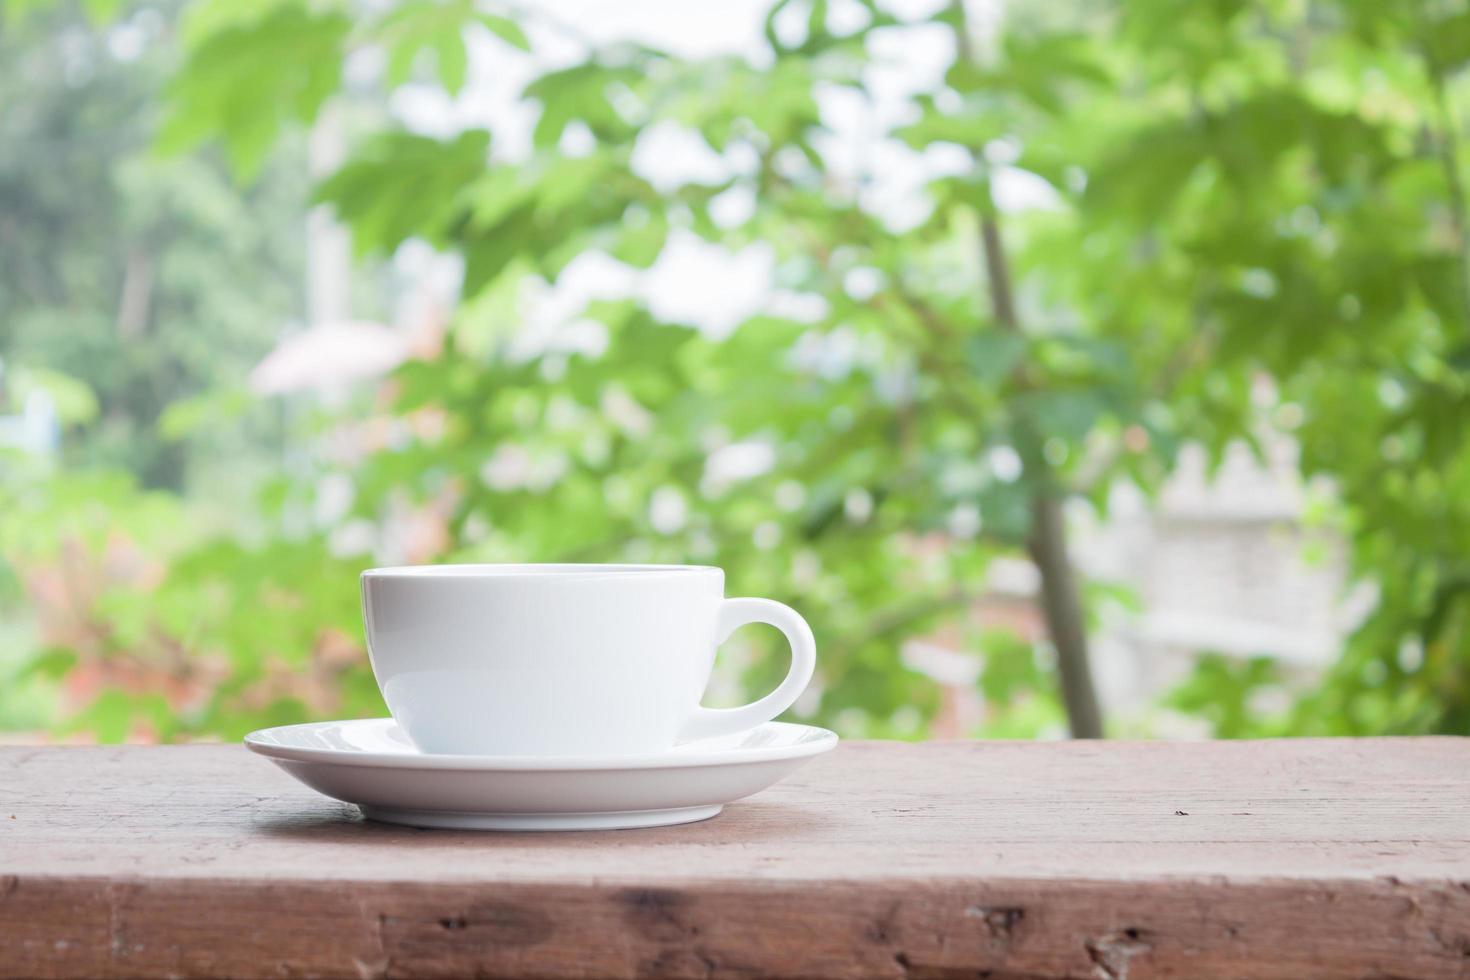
column 1061, row 602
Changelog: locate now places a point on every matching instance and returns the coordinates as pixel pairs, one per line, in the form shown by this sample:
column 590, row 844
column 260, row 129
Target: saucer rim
column 726, row 756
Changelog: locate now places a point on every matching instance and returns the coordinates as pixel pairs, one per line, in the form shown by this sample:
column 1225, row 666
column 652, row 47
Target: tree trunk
column 137, row 294
column 1061, row 604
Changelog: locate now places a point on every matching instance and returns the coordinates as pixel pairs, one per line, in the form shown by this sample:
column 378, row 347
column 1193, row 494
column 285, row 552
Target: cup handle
column 735, row 613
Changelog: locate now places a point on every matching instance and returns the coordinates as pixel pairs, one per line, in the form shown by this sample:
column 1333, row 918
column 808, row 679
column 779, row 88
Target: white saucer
column 372, row 763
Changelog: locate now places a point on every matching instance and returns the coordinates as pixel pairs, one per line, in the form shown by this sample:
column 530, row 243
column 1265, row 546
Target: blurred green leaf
column 399, row 186
column 1220, row 691
column 244, row 82
column 506, row 29
column 215, row 408
column 413, row 29
column 72, row 400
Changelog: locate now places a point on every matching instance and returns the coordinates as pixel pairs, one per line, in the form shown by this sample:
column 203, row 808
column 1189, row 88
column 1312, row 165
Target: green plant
column 1255, row 221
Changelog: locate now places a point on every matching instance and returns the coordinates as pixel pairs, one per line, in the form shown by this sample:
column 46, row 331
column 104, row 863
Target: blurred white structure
column 35, row 429
column 1223, row 563
column 1226, row 564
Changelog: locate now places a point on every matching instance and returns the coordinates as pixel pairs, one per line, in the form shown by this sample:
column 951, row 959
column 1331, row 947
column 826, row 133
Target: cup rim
column 534, row 571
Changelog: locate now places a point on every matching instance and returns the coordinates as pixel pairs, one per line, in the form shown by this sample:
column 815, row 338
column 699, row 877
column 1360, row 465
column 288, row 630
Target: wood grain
column 1108, row 860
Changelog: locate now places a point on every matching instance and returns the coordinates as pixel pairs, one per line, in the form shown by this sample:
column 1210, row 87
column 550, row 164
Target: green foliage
column 129, row 282
column 1220, row 691
column 1247, row 199
column 1305, row 224
column 401, row 186
column 245, row 81
column 160, row 629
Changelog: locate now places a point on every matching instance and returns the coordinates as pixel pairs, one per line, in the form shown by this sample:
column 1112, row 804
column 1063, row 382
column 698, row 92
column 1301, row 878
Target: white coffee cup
column 577, row 660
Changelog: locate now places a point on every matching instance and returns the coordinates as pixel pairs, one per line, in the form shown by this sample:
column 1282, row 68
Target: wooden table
column 1106, row 860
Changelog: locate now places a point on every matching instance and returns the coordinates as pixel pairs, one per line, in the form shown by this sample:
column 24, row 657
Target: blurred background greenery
column 1073, row 367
